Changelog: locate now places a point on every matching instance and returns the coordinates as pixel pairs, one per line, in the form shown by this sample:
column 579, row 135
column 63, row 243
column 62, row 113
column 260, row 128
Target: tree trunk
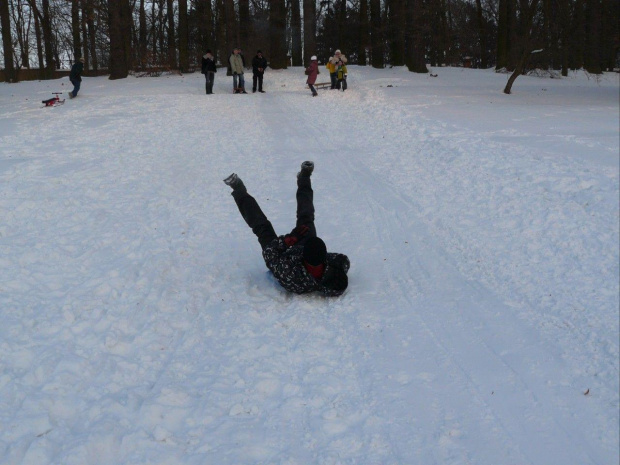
column 364, row 37
column 593, row 37
column 517, row 71
column 224, row 49
column 341, row 14
column 501, row 58
column 296, row 51
column 232, row 39
column 10, row 72
column 527, row 13
column 48, row 40
column 482, row 36
column 376, row 34
column 39, row 39
column 92, row 40
column 309, row 30
column 142, row 35
column 205, row 25
column 75, row 29
column 245, row 23
column 183, row 37
column 416, row 59
column 277, row 26
column 397, row 20
column 610, row 33
column 84, row 33
column 119, row 67
column 564, row 35
column 172, row 52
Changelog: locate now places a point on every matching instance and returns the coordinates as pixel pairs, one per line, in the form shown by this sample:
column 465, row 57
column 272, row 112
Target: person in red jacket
column 299, row 260
column 312, row 71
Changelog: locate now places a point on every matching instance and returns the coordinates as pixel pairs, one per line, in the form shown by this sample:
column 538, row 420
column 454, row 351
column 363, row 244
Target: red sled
column 54, row 101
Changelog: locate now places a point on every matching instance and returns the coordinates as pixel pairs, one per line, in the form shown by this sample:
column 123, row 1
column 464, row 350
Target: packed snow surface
column 140, row 324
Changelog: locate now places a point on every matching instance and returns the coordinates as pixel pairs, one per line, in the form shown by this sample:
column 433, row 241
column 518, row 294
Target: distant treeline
column 132, row 35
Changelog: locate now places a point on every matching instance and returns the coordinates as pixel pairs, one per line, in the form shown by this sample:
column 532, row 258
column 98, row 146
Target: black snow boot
column 307, row 168
column 235, row 182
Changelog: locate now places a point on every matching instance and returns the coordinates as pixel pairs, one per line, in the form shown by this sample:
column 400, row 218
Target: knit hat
column 313, row 58
column 337, row 51
column 82, row 60
column 335, row 279
column 258, row 51
column 315, row 251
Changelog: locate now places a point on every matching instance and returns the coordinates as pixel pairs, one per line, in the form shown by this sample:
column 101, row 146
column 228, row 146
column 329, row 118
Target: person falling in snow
column 299, row 260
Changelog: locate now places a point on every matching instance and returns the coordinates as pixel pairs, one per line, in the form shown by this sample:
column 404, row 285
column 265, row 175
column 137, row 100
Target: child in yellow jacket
column 341, row 76
column 331, row 67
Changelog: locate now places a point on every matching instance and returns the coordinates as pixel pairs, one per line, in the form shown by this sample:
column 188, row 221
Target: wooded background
column 120, row 36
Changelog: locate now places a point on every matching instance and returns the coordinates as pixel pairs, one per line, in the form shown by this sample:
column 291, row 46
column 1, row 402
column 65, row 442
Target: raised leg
column 305, row 199
column 251, row 211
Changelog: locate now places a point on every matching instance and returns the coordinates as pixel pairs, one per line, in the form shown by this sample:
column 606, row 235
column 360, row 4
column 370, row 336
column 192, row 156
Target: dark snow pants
column 209, row 80
column 257, row 78
column 262, row 227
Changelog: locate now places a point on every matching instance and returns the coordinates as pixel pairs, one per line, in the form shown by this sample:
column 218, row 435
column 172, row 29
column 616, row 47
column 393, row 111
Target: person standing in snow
column 341, row 76
column 299, row 260
column 209, row 69
column 259, row 63
column 312, row 71
column 335, row 63
column 236, row 66
column 76, row 77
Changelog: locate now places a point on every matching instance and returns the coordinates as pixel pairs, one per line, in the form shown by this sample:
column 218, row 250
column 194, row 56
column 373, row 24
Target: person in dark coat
column 312, row 72
column 76, row 77
column 299, row 260
column 209, row 69
column 259, row 63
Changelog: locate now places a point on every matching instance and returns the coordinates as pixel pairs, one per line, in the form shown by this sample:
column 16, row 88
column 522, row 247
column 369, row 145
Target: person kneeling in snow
column 299, row 260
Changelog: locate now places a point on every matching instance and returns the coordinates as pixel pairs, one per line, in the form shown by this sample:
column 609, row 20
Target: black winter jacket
column 259, row 62
column 287, row 266
column 208, row 66
column 76, row 72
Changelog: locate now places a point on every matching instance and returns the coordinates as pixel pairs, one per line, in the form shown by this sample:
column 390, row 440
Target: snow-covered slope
column 140, row 325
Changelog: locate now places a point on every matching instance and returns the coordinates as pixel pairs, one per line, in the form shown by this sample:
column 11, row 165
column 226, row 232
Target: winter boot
column 307, row 168
column 235, row 182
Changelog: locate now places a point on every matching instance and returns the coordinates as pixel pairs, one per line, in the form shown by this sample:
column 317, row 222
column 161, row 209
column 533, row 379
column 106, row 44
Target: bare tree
column 277, row 42
column 364, row 36
column 10, row 73
column 397, row 15
column 414, row 44
column 183, row 36
column 296, row 51
column 245, row 25
column 119, row 17
column 481, row 34
column 528, row 13
column 309, row 30
column 376, row 34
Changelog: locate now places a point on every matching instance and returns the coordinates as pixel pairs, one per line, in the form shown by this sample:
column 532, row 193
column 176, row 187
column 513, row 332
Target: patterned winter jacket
column 286, row 264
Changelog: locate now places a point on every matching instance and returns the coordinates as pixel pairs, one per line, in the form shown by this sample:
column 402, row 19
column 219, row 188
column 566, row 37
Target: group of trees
column 124, row 35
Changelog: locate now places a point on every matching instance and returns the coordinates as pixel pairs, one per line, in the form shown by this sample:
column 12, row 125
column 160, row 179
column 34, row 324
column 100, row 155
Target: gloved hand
column 291, row 239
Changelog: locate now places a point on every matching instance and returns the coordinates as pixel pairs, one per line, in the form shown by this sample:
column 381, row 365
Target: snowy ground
column 140, row 326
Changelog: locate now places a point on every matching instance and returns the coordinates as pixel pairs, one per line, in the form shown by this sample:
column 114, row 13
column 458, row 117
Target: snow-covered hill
column 140, row 325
